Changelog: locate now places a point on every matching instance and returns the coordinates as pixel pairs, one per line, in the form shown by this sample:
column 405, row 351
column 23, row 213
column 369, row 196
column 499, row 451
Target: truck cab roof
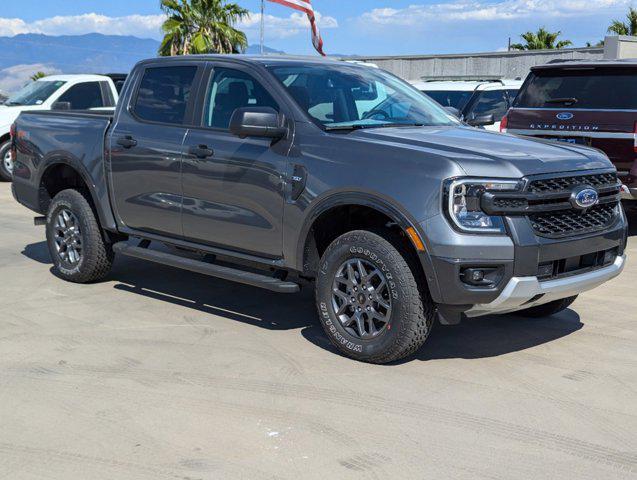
column 75, row 78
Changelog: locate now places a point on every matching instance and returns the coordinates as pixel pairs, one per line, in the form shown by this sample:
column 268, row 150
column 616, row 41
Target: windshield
column 450, row 98
column 35, row 93
column 594, row 88
column 348, row 97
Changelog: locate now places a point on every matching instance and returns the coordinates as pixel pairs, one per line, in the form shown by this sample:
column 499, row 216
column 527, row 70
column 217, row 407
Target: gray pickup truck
column 276, row 171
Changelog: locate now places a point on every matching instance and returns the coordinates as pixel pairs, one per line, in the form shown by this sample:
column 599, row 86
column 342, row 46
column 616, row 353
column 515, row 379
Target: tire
column 6, row 171
column 93, row 257
column 548, row 309
column 408, row 313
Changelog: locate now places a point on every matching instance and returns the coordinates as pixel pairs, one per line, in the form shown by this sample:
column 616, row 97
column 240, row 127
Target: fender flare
column 106, row 218
column 377, row 202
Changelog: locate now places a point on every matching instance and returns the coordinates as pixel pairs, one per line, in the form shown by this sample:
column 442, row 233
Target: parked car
column 74, row 92
column 271, row 171
column 479, row 103
column 585, row 103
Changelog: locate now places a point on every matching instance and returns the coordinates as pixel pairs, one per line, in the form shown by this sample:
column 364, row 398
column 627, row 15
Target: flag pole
column 262, row 23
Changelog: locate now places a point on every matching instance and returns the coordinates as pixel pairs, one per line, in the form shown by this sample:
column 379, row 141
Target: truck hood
column 481, row 153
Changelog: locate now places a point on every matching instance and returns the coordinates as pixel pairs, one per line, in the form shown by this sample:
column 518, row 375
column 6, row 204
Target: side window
column 163, row 94
column 232, row 89
column 491, row 102
column 83, row 96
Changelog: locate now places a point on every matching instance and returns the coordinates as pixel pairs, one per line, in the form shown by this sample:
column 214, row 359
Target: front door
column 234, row 188
column 146, row 150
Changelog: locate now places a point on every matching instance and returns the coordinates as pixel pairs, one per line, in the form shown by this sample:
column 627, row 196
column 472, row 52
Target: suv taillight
column 504, row 123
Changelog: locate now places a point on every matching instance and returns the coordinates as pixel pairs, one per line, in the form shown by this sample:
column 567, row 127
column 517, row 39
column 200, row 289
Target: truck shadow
column 483, row 337
column 474, row 338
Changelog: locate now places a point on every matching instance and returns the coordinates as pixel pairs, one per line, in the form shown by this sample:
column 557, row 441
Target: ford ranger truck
column 53, row 92
column 584, row 103
column 275, row 171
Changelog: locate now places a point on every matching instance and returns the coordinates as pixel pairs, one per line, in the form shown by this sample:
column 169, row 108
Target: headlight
column 462, row 198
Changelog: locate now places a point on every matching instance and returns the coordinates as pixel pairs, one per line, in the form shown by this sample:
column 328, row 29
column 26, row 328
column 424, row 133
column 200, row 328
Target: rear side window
column 595, row 88
column 83, row 96
column 163, row 94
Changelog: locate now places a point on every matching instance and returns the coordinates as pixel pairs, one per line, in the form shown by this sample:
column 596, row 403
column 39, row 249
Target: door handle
column 201, row 151
column 126, row 141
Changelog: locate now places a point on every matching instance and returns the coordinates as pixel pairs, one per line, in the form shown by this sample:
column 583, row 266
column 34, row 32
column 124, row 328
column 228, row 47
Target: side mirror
column 61, row 106
column 481, row 121
column 257, row 122
column 453, row 111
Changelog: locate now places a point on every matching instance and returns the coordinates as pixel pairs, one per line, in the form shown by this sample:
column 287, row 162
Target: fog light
column 477, row 275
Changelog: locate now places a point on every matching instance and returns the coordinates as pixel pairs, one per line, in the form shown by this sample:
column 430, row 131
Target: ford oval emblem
column 584, row 197
column 564, row 116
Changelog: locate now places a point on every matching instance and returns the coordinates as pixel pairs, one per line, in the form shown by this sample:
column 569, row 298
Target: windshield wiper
column 344, row 127
column 570, row 100
column 380, row 125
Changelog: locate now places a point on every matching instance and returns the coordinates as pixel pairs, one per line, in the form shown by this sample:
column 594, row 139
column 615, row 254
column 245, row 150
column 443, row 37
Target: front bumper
column 522, row 255
column 519, row 290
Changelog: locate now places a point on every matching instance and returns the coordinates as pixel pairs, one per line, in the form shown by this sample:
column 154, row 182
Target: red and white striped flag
column 306, row 6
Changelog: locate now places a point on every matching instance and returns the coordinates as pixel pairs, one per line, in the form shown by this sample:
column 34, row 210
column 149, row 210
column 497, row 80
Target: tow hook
column 39, row 221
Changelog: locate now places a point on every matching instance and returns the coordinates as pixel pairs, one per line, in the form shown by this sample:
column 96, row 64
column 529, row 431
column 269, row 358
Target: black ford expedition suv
column 272, row 171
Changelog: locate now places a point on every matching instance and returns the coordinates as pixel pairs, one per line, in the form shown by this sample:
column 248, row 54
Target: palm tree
column 202, row 26
column 37, row 76
column 620, row 28
column 541, row 40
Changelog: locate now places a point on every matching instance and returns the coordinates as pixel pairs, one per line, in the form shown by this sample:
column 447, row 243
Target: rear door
column 234, row 187
column 146, row 148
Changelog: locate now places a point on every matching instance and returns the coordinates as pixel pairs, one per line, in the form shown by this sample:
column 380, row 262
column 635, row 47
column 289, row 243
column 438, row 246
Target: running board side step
column 225, row 273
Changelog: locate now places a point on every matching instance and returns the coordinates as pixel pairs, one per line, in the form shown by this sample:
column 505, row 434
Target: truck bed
column 50, row 139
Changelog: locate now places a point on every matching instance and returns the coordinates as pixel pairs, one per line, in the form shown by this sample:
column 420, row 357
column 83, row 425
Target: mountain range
column 25, row 54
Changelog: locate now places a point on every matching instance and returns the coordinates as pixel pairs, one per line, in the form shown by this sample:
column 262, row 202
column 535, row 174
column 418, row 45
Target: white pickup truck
column 55, row 92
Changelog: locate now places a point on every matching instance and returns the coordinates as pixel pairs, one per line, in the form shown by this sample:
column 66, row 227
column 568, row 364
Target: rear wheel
column 548, row 309
column 6, row 162
column 77, row 247
column 368, row 299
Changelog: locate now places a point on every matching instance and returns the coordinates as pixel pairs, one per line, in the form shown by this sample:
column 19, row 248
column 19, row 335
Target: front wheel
column 6, row 162
column 78, row 250
column 368, row 299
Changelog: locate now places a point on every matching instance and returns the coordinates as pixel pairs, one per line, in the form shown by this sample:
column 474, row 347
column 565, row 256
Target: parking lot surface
column 158, row 373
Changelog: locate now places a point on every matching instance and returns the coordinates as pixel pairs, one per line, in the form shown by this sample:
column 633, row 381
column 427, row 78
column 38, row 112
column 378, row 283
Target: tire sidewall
column 5, row 175
column 66, row 202
column 356, row 246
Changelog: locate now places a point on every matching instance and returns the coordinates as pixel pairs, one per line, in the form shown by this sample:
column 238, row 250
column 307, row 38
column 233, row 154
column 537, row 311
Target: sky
column 363, row 27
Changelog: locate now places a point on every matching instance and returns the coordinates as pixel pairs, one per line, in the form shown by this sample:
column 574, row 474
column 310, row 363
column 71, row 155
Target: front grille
column 572, row 222
column 560, row 184
column 546, row 202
